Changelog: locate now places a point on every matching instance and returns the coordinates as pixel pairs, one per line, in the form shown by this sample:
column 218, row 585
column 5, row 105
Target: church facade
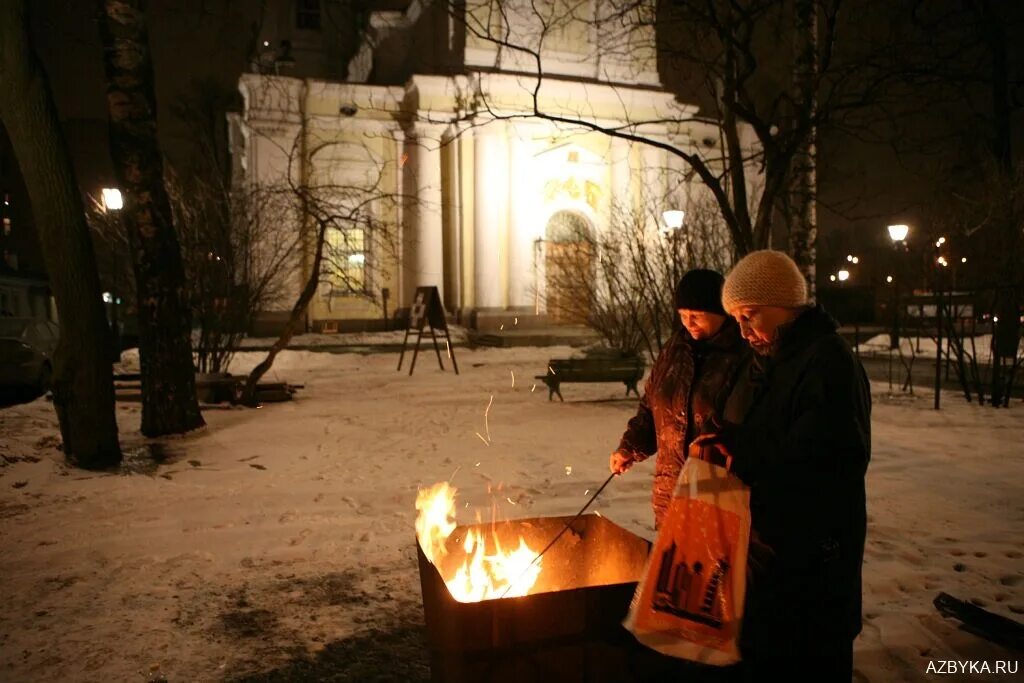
column 446, row 178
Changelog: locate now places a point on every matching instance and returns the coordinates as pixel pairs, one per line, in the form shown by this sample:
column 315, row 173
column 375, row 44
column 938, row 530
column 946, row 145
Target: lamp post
column 113, row 202
column 673, row 222
column 898, row 234
column 940, row 264
column 850, row 310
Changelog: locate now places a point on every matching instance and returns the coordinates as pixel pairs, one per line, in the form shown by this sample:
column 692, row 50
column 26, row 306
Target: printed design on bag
column 685, row 590
column 690, row 585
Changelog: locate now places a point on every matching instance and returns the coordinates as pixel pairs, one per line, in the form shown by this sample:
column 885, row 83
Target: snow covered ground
column 281, row 539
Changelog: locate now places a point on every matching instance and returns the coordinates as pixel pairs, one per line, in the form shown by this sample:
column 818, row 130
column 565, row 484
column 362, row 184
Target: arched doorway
column 568, row 267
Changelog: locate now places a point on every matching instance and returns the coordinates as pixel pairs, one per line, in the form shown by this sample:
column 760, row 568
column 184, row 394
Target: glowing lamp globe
column 112, row 200
column 673, row 218
column 898, row 232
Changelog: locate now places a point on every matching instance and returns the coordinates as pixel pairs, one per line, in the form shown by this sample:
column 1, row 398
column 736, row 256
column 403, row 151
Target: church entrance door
column 569, row 267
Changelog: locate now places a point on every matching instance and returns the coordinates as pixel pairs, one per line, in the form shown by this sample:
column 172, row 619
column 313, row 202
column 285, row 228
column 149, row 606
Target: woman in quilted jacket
column 688, row 385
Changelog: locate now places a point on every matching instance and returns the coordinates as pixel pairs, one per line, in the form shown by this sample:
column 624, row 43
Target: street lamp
column 940, row 263
column 843, row 275
column 673, row 219
column 112, row 200
column 898, row 232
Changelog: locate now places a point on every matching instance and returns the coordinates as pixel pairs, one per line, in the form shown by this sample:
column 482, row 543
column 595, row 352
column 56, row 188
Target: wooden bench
column 629, row 371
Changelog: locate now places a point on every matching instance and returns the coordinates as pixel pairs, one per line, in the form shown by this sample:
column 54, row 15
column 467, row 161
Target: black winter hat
column 701, row 290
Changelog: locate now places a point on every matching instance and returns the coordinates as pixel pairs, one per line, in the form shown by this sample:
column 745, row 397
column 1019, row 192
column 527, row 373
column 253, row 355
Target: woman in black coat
column 688, row 384
column 803, row 449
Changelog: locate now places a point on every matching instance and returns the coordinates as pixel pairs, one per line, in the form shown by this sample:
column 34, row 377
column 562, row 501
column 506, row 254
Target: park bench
column 212, row 388
column 628, row 370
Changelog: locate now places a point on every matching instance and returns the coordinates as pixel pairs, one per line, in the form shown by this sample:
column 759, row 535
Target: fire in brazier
column 487, row 569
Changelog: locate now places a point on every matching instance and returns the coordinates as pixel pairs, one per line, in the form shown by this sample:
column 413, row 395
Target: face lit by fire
column 760, row 325
column 701, row 324
column 488, row 570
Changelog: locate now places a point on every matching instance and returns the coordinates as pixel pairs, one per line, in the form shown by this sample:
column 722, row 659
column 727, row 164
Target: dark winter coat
column 803, row 448
column 689, row 382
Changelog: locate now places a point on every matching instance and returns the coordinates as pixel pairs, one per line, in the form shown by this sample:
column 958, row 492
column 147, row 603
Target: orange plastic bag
column 689, row 602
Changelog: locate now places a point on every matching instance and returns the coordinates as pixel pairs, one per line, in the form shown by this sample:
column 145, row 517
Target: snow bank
column 924, row 347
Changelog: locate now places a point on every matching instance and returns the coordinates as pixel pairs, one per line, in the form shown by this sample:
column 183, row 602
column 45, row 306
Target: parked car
column 26, row 353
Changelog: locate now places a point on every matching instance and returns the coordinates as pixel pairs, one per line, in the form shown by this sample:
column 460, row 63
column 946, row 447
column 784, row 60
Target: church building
column 446, row 176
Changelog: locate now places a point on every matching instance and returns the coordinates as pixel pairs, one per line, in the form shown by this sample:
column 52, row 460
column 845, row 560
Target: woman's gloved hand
column 620, row 462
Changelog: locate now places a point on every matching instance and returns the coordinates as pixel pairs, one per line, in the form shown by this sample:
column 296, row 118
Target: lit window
column 347, row 261
column 307, row 15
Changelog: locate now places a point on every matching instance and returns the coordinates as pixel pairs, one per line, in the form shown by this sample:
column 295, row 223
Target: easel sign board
column 427, row 309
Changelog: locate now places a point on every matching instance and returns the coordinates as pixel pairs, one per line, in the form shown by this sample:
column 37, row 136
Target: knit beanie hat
column 700, row 290
column 764, row 278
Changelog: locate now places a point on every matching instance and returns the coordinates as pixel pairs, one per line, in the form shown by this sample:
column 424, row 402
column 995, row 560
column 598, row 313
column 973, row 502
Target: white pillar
column 522, row 227
column 453, row 227
column 490, row 213
column 653, row 191
column 425, row 212
column 621, row 192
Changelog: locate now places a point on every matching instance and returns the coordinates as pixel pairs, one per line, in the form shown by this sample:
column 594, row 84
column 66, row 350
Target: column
column 522, row 222
column 621, row 192
column 453, row 226
column 490, row 213
column 425, row 212
column 653, row 184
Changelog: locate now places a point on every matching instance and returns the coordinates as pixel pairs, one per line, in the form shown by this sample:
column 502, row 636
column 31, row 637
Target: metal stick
column 559, row 535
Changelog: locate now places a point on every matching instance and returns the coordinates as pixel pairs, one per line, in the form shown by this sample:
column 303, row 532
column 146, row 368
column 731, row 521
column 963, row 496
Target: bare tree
column 169, row 404
column 343, row 234
column 963, row 69
column 235, row 256
column 83, row 391
column 803, row 231
column 620, row 281
column 763, row 104
column 974, row 259
column 236, row 260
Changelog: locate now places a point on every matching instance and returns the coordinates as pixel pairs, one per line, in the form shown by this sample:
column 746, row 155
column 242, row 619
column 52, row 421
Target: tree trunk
column 169, row 403
column 1007, row 239
column 737, row 177
column 295, row 320
column 803, row 223
column 83, row 388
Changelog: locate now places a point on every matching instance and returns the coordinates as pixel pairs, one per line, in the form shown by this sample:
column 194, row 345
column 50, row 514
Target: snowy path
column 279, row 539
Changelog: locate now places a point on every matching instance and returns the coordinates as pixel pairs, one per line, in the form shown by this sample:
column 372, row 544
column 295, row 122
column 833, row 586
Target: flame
column 435, row 519
column 481, row 576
